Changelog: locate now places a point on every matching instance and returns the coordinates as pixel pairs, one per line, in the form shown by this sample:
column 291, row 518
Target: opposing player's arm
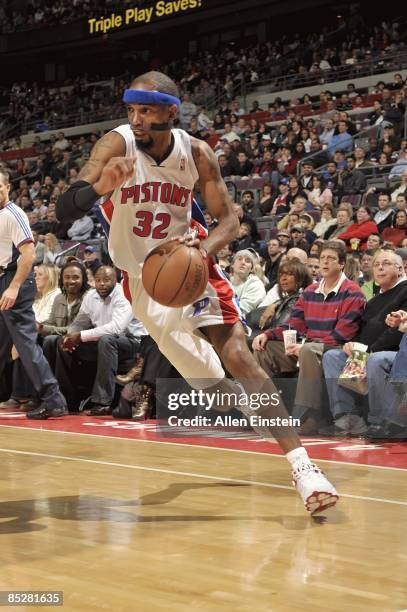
column 216, row 197
column 106, row 169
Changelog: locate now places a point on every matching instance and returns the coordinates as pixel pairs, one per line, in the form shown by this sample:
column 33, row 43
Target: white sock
column 298, row 454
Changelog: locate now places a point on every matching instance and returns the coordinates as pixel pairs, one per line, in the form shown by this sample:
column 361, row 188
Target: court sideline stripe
column 191, row 474
column 188, row 445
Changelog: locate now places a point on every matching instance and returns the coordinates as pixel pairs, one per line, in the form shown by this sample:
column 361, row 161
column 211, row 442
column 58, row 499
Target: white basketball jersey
column 154, row 206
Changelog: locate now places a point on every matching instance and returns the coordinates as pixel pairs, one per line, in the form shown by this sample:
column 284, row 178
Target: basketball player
column 148, row 170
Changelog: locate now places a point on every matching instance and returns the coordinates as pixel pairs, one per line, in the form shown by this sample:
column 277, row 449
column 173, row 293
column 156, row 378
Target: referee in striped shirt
column 17, row 293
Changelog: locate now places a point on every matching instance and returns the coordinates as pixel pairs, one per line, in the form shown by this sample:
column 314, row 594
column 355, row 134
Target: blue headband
column 139, row 96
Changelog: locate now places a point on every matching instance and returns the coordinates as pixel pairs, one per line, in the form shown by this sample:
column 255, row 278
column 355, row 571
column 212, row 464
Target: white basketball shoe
column 316, row 491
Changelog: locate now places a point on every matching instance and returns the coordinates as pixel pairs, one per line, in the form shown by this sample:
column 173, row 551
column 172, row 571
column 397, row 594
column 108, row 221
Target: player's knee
column 238, row 360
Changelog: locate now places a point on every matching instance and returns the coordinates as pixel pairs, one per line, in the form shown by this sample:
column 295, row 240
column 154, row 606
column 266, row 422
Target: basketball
column 175, row 274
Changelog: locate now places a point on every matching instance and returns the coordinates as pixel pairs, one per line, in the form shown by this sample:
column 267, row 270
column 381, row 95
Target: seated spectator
column 244, row 239
column 369, row 287
column 98, row 333
column 280, row 205
column 52, row 249
column 299, row 206
column 248, row 287
column 336, row 301
column 249, row 206
column 314, row 267
column 265, row 165
column 388, row 273
column 351, row 180
column 273, row 260
column 360, row 230
column 397, row 232
column 341, row 140
column 375, row 241
column 283, row 237
column 81, row 229
column 293, row 278
column 360, row 159
column 245, row 218
column 58, row 228
column 218, row 122
column 298, row 239
column 229, row 134
column 266, row 199
column 91, row 259
column 307, row 223
column 352, row 269
column 326, row 136
column 226, row 166
column 319, row 194
column 384, row 217
column 294, row 190
column 327, row 220
column 387, row 388
column 400, row 189
column 401, row 201
column 187, row 110
column 243, row 167
column 225, row 257
column 38, row 207
column 400, row 166
column 315, row 249
column 39, row 249
column 47, row 282
column 293, row 254
column 331, row 177
column 35, row 224
column 307, row 174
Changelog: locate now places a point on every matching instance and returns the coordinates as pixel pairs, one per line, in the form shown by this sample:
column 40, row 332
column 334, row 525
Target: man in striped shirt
column 326, row 315
column 17, row 293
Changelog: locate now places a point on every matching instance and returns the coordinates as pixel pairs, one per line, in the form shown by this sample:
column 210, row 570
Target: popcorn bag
column 353, row 375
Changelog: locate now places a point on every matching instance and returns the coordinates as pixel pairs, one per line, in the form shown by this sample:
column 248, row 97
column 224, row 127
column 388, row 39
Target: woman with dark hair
column 293, row 278
column 294, row 190
column 299, row 151
column 360, row 230
column 319, row 195
column 397, row 232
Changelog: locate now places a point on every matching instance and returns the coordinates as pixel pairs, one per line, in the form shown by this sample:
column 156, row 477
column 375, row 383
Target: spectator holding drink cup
column 360, row 230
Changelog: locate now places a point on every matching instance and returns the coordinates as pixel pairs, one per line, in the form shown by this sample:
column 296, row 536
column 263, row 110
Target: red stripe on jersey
column 107, row 210
column 225, row 293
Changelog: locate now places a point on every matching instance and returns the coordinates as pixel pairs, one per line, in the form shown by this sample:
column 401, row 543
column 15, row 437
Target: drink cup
column 289, row 337
column 354, row 243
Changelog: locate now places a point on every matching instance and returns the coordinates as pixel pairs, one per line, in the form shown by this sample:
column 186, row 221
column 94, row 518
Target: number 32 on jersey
column 146, row 220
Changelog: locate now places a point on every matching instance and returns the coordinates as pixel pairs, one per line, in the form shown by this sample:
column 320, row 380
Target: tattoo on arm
column 88, row 170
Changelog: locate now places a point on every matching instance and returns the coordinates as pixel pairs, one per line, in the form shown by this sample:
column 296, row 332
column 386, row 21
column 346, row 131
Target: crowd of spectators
column 320, row 214
column 208, row 76
column 33, row 14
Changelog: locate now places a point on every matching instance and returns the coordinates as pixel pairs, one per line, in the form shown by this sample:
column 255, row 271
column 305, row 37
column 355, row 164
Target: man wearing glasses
column 388, row 273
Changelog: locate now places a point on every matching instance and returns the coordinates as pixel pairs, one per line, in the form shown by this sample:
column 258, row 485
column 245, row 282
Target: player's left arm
column 216, row 197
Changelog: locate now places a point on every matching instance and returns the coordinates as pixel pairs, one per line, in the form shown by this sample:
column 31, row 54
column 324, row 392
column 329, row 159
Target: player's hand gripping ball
column 175, row 274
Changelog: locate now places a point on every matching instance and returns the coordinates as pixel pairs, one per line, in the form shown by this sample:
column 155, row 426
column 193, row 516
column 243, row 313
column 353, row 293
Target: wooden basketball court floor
column 120, row 519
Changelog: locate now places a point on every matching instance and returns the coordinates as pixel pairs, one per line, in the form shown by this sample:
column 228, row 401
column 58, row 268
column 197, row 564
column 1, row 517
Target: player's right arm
column 107, row 169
